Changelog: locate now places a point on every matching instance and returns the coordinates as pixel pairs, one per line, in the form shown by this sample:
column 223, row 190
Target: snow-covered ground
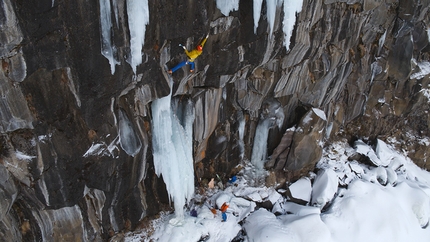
column 345, row 201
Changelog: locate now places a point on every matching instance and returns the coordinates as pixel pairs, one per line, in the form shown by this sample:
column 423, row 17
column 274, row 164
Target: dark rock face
column 75, row 143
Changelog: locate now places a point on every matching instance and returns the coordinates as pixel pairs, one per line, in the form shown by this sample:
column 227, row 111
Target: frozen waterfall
column 259, row 150
column 172, row 146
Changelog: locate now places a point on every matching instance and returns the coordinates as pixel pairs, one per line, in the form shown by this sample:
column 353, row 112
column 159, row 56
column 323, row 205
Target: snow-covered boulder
column 301, row 189
column 384, row 153
column 324, row 188
column 364, row 149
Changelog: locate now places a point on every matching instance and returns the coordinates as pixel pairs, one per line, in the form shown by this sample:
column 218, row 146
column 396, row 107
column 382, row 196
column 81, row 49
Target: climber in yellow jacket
column 192, row 55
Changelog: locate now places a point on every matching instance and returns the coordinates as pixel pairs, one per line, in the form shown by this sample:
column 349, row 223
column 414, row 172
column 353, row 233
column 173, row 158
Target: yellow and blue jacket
column 192, row 55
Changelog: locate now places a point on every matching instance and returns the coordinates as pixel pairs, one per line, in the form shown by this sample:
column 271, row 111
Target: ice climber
column 192, row 55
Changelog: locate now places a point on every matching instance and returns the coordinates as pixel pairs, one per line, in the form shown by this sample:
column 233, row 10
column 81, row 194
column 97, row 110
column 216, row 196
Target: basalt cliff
column 76, row 113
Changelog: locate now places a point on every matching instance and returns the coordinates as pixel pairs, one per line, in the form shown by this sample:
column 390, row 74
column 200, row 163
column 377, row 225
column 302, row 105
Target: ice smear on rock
column 172, row 147
column 138, row 18
column 320, row 113
column 227, row 6
column 128, row 139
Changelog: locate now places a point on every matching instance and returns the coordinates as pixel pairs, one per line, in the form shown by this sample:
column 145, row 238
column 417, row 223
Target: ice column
column 108, row 50
column 172, row 146
column 259, row 150
column 271, row 116
column 138, row 18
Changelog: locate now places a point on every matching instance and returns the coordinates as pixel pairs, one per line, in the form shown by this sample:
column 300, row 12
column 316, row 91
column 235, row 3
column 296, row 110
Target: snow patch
column 426, row 93
column 22, row 156
column 424, row 70
column 102, row 149
column 320, row 113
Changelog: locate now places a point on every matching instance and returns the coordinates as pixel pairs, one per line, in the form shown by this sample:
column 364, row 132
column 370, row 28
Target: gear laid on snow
column 232, row 179
column 213, row 210
column 193, row 213
column 192, row 55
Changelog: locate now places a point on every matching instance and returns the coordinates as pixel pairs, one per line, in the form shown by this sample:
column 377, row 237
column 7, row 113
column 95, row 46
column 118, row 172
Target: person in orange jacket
column 192, row 55
column 224, row 207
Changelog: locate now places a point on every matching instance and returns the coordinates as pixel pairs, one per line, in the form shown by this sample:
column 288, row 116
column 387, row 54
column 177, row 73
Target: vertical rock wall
column 75, row 143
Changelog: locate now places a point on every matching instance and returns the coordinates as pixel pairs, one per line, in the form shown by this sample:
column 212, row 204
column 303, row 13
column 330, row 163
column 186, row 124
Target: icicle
column 226, row 6
column 257, row 13
column 381, row 42
column 290, row 10
column 108, row 50
column 115, row 9
column 138, row 18
column 271, row 14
